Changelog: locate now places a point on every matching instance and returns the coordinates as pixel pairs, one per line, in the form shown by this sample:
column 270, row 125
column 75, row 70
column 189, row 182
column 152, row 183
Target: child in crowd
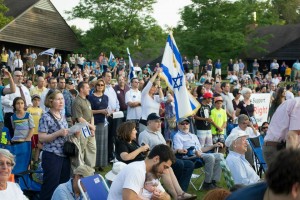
column 150, row 187
column 22, row 121
column 219, row 121
column 36, row 113
column 288, row 72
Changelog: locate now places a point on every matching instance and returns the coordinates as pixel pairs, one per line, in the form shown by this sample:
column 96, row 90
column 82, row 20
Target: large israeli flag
column 173, row 74
column 131, row 68
column 49, row 52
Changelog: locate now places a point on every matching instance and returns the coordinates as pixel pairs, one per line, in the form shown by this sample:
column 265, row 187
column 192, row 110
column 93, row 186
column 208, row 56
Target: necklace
column 57, row 116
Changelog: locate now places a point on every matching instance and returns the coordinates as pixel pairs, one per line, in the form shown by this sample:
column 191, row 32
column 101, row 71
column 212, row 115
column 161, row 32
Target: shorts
column 205, row 137
column 34, row 141
column 196, row 69
column 218, row 138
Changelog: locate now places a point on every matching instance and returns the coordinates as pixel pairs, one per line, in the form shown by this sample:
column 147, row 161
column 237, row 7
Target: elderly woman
column 127, row 149
column 149, row 100
column 8, row 190
column 245, row 106
column 99, row 103
column 241, row 170
column 53, row 129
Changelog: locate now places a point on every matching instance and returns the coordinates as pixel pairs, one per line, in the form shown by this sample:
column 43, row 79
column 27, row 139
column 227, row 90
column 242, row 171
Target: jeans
column 183, row 170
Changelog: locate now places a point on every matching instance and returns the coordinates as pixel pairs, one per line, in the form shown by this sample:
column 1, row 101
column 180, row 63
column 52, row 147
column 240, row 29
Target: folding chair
column 94, row 186
column 256, row 145
column 200, row 163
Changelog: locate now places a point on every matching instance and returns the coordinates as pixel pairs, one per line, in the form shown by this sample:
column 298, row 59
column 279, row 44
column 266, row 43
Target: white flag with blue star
column 131, row 68
column 173, row 73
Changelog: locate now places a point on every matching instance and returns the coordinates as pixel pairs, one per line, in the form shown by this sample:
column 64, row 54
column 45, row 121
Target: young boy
column 288, row 72
column 36, row 113
column 190, row 77
column 219, row 121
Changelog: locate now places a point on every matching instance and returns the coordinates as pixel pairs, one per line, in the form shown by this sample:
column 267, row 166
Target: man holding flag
column 173, row 73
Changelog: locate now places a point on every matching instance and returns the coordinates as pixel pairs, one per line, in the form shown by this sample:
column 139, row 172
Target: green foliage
column 118, row 25
column 3, row 19
column 289, row 11
column 219, row 28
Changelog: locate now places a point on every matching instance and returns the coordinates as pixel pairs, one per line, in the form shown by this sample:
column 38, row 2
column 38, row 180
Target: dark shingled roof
column 17, row 7
column 283, row 42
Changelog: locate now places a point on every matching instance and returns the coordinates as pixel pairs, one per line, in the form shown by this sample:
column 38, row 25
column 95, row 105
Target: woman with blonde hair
column 53, row 130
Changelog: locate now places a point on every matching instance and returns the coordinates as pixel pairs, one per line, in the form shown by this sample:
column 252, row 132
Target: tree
column 119, row 24
column 3, row 19
column 289, row 11
column 219, row 29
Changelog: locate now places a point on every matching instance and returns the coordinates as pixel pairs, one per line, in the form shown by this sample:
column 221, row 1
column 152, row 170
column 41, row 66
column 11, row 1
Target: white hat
column 235, row 134
column 117, row 167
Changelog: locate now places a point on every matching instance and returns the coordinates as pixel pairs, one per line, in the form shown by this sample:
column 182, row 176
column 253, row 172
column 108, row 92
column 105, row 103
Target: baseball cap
column 234, row 135
column 184, row 119
column 84, row 171
column 153, row 116
column 35, row 96
column 69, row 81
column 117, row 167
column 207, row 82
column 219, row 98
column 207, row 95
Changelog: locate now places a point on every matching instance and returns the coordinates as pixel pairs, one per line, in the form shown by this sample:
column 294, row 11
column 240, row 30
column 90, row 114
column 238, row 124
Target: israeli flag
column 49, row 52
column 131, row 68
column 111, row 57
column 173, row 73
column 11, row 54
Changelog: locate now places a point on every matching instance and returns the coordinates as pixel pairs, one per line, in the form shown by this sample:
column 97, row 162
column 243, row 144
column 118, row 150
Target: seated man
column 241, row 170
column 183, row 169
column 282, row 180
column 70, row 189
column 183, row 140
column 130, row 181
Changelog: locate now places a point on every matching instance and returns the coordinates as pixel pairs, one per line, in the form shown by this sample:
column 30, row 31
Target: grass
column 200, row 194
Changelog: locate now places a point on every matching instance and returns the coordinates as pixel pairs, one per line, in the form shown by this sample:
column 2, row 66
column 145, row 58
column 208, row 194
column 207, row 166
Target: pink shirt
column 286, row 118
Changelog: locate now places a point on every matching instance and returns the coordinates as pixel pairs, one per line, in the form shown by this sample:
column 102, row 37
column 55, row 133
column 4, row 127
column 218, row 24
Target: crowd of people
column 133, row 121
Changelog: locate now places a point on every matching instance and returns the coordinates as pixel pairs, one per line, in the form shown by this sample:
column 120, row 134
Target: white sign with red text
column 261, row 103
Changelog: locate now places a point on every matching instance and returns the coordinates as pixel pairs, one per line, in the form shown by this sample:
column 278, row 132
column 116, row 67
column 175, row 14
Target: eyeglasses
column 185, row 123
column 8, row 164
column 99, row 85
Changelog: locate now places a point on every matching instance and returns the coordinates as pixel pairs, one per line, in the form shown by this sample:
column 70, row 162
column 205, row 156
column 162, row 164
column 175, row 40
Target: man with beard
column 130, row 181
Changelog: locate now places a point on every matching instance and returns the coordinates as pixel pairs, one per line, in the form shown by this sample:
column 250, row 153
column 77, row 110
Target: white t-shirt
column 131, row 177
column 133, row 96
column 150, row 105
column 13, row 191
column 289, row 95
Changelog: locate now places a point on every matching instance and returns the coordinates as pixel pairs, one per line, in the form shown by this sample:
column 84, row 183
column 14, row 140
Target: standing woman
column 279, row 99
column 235, row 102
column 245, row 106
column 53, row 129
column 149, row 100
column 99, row 103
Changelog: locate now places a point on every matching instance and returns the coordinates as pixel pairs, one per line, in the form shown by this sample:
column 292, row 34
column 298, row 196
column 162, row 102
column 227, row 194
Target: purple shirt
column 121, row 96
column 285, row 119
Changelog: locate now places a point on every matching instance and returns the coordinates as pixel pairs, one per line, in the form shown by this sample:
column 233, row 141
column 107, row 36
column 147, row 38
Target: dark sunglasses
column 265, row 127
column 99, row 85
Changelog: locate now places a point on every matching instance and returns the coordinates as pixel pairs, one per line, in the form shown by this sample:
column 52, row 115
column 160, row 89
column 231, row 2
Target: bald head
column 40, row 82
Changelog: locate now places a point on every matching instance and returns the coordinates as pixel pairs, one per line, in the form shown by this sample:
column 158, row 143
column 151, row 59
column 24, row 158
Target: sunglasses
column 265, row 127
column 99, row 84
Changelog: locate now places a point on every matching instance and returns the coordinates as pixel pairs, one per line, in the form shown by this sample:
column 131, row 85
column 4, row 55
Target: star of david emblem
column 175, row 80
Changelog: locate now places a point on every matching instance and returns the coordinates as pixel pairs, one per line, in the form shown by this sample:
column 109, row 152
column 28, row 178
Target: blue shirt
column 65, row 191
column 218, row 65
column 98, row 103
column 241, row 170
column 255, row 191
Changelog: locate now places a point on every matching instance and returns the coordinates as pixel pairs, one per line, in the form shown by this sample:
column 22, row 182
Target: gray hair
column 242, row 118
column 246, row 90
column 8, row 155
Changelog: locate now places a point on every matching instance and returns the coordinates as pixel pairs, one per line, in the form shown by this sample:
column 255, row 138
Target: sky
column 166, row 12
